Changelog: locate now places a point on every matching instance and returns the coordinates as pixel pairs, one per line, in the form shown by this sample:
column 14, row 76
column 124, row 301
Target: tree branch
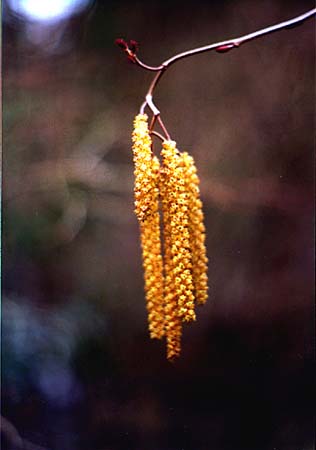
column 220, row 47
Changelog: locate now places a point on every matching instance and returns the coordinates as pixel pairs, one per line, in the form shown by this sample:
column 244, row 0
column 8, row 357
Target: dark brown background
column 79, row 371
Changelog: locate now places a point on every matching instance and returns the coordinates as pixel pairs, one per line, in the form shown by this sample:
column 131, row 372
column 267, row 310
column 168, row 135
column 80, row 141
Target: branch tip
column 130, row 48
column 121, row 43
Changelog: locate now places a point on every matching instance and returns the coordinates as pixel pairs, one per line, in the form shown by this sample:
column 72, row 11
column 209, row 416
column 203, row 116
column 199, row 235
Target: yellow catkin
column 178, row 280
column 147, row 211
column 176, row 202
column 197, row 230
column 173, row 323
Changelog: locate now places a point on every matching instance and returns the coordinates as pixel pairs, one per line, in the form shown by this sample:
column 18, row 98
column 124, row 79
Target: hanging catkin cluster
column 175, row 273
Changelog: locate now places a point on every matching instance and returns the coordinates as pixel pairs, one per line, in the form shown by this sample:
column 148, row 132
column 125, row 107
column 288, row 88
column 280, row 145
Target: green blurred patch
column 30, row 233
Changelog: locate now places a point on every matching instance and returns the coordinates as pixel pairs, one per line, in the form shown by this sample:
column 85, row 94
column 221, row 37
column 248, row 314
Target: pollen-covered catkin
column 147, row 211
column 197, row 230
column 175, row 201
column 173, row 323
column 176, row 279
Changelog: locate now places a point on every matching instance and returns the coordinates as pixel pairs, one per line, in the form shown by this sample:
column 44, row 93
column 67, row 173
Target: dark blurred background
column 79, row 371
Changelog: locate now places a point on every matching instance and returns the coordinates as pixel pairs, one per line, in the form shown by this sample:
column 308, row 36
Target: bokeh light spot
column 50, row 11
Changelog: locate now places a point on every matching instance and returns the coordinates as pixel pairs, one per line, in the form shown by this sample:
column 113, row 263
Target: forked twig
column 131, row 47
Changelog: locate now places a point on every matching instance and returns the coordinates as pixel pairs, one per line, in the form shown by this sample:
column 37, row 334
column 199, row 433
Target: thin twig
column 164, row 129
column 220, row 47
column 229, row 44
column 145, row 66
column 152, row 123
column 160, row 136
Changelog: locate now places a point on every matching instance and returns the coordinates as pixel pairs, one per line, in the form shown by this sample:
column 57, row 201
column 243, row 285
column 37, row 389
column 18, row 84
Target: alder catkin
column 177, row 204
column 196, row 229
column 176, row 279
column 173, row 323
column 147, row 211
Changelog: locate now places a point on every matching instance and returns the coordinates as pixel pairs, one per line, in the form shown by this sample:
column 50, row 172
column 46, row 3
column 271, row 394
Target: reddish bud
column 133, row 46
column 130, row 48
column 121, row 43
column 225, row 48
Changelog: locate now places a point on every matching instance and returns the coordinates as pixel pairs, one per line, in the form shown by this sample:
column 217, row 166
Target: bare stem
column 220, row 47
column 155, row 133
column 164, row 129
